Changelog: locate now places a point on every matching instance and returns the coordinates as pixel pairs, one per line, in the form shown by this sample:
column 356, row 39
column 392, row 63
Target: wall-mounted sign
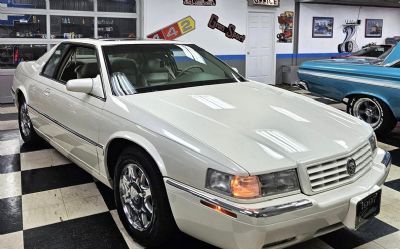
column 285, row 21
column 229, row 31
column 270, row 3
column 200, row 2
column 175, row 30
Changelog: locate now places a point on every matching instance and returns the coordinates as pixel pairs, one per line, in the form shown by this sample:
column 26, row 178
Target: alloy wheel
column 25, row 121
column 136, row 197
column 368, row 111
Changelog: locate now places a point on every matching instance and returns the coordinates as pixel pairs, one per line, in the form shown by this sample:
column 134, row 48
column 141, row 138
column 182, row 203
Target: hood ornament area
column 351, row 167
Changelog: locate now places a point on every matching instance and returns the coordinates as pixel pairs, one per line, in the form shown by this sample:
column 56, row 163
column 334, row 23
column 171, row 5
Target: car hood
column 351, row 60
column 259, row 127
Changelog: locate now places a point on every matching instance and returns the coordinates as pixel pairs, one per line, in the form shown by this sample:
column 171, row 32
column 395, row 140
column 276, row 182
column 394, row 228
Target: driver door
column 76, row 115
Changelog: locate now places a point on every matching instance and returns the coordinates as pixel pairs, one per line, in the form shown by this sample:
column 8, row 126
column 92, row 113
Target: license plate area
column 368, row 208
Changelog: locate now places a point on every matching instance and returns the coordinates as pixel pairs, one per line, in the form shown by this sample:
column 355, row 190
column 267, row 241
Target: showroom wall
column 307, row 44
column 160, row 13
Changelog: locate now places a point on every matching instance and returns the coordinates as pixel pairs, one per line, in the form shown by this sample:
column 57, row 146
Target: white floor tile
column 370, row 245
column 8, row 125
column 42, row 199
column 58, row 159
column 36, row 159
column 79, row 192
column 44, row 216
column 391, row 241
column 12, row 241
column 9, row 147
column 10, row 185
column 85, row 206
column 43, row 208
column 8, row 110
column 128, row 239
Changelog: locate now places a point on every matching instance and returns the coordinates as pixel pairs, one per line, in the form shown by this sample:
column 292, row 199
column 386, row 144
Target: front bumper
column 272, row 224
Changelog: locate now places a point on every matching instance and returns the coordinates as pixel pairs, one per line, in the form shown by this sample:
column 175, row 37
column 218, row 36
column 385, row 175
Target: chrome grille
column 332, row 174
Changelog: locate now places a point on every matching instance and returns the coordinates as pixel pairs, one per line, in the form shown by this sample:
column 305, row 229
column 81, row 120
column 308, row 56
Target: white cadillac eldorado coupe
column 187, row 143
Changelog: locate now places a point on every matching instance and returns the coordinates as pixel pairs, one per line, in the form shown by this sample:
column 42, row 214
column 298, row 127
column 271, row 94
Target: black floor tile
column 53, row 177
column 10, row 163
column 9, row 135
column 39, row 145
column 91, row 232
column 10, row 215
column 395, row 184
column 108, row 195
column 346, row 239
column 8, row 116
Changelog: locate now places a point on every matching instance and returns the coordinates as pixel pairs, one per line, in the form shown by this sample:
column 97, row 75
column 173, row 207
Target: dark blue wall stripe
column 309, row 55
column 234, row 57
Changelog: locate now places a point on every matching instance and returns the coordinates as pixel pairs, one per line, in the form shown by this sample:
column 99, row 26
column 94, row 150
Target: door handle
column 46, row 92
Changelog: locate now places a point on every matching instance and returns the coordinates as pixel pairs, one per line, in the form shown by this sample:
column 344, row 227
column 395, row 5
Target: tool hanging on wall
column 350, row 29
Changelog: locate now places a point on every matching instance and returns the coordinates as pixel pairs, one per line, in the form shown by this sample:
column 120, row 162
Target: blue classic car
column 370, row 86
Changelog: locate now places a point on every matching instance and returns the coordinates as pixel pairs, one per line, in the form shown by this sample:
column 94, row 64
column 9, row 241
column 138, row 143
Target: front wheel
column 141, row 199
column 26, row 129
column 374, row 112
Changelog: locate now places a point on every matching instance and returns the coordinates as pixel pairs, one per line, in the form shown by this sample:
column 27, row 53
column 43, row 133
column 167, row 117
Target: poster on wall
column 200, row 2
column 285, row 21
column 230, row 31
column 175, row 30
column 322, row 27
column 373, row 28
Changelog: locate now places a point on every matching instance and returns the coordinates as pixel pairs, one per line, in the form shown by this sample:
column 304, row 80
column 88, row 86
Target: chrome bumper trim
column 255, row 213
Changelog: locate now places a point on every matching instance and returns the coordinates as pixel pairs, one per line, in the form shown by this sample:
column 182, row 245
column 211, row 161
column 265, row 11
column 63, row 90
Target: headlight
column 250, row 187
column 373, row 142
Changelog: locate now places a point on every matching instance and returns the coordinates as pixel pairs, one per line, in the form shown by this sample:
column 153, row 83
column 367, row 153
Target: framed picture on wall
column 322, row 27
column 373, row 28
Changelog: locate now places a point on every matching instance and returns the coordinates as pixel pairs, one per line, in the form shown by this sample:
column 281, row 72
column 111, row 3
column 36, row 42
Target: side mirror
column 235, row 69
column 80, row 85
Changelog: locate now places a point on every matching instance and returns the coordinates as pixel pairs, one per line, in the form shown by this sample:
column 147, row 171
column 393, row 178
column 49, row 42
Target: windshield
column 155, row 67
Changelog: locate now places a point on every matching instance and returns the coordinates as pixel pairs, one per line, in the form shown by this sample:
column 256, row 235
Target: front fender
column 140, row 141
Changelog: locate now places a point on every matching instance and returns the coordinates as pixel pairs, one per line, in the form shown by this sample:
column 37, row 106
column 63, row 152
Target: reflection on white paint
column 284, row 141
column 120, row 104
column 342, row 143
column 212, row 102
column 342, row 118
column 290, row 114
column 180, row 141
column 270, row 152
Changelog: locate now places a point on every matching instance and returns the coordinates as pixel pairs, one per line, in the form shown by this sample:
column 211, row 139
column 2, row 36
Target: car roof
column 122, row 41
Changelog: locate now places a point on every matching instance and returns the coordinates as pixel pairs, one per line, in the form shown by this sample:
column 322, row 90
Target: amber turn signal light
column 245, row 187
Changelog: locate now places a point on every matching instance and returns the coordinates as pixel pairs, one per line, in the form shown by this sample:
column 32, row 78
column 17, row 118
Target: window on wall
column 27, row 21
column 82, row 5
column 26, row 4
column 11, row 55
column 128, row 6
column 70, row 27
column 23, row 26
column 116, row 27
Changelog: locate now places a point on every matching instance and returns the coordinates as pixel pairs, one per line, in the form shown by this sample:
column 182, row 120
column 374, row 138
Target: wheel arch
column 349, row 96
column 19, row 93
column 119, row 141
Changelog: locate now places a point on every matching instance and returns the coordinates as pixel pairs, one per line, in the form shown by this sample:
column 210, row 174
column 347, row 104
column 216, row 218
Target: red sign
column 175, row 30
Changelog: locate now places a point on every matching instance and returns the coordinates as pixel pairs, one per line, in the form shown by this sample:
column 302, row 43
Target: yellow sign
column 187, row 24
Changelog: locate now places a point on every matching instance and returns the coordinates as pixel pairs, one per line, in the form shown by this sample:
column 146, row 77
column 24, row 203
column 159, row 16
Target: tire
column 374, row 112
column 349, row 46
column 340, row 48
column 26, row 129
column 157, row 227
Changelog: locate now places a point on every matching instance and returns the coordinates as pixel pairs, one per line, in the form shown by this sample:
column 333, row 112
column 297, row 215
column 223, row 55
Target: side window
column 81, row 63
column 51, row 66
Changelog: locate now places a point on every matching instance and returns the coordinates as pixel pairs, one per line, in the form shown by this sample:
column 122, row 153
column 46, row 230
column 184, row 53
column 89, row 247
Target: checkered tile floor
column 48, row 202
